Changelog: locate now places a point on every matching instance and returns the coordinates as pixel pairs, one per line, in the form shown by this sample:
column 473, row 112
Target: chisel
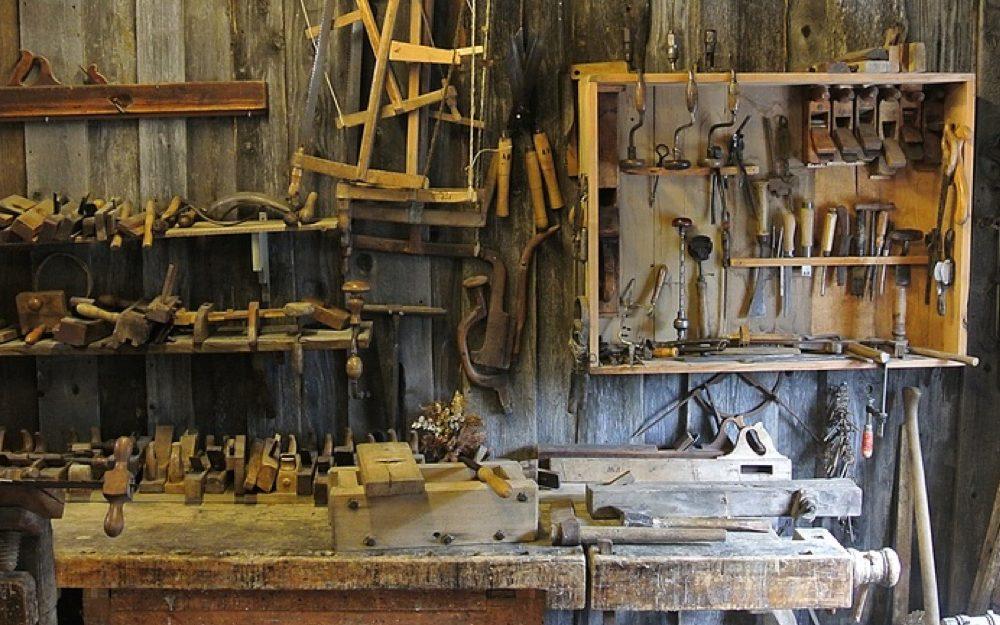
column 843, row 237
column 806, row 225
column 788, row 251
column 757, row 306
column 826, row 248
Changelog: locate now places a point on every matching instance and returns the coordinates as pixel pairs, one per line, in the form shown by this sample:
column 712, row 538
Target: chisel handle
column 147, row 226
column 534, row 172
column 34, row 335
column 866, row 352
column 544, row 150
column 972, row 361
column 829, row 227
column 499, row 485
column 124, row 211
column 504, row 151
column 806, row 226
column 94, row 312
column 899, row 314
column 763, row 214
column 788, row 243
column 702, row 285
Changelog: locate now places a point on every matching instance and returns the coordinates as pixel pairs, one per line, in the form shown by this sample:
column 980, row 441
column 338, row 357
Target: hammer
column 486, row 475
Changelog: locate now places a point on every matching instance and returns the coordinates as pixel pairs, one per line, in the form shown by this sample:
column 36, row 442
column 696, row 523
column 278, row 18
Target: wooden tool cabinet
column 617, row 207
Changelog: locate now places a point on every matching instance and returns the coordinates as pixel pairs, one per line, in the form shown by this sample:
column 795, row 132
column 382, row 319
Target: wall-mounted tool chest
column 871, row 149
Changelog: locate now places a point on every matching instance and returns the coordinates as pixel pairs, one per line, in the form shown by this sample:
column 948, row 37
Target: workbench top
column 285, row 547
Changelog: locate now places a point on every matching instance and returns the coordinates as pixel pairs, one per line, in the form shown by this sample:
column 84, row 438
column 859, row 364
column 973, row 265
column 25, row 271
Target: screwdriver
column 826, row 247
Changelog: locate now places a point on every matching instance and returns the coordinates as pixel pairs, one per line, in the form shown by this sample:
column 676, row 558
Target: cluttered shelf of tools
column 271, row 339
column 829, row 261
column 204, row 229
column 615, row 81
column 792, row 363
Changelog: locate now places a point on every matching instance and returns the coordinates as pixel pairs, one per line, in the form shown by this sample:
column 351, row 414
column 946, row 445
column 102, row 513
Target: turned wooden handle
column 495, row 482
column 829, row 227
column 147, row 224
column 34, row 335
column 788, row 242
column 124, row 211
column 534, row 172
column 972, row 361
column 544, row 150
column 307, row 214
column 505, row 150
column 95, row 312
column 867, row 352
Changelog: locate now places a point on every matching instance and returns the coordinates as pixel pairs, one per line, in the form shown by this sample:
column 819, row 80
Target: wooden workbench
column 227, row 550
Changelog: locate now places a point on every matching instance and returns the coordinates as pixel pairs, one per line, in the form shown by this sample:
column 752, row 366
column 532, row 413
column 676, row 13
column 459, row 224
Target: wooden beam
column 768, row 498
column 347, row 19
column 416, row 53
column 441, row 195
column 182, row 99
column 374, row 38
column 406, row 106
column 378, row 82
column 345, row 171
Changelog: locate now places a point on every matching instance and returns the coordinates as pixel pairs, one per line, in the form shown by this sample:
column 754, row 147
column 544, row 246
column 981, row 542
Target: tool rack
column 617, row 202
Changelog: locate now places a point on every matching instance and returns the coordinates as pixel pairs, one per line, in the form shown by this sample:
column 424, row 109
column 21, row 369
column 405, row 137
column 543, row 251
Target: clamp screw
column 369, row 541
column 521, row 497
column 353, row 504
column 499, row 535
column 447, row 539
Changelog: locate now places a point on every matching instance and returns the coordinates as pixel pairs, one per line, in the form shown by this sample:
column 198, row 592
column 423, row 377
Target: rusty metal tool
column 635, row 35
column 940, row 244
column 710, row 40
column 488, row 476
column 681, row 323
column 825, row 248
column 878, row 246
column 700, row 249
column 675, row 162
column 860, row 245
column 39, row 312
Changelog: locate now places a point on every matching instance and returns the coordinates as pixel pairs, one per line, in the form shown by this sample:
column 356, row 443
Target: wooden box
column 645, row 236
column 453, row 509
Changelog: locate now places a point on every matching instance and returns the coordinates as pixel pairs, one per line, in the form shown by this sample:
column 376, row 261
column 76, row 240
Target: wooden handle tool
column 865, row 351
column 544, row 150
column 147, row 227
column 921, row 507
column 486, row 475
column 505, row 150
column 825, row 248
column 34, row 335
column 90, row 311
column 788, row 242
column 117, row 487
column 124, row 211
column 972, row 361
column 534, row 173
column 763, row 214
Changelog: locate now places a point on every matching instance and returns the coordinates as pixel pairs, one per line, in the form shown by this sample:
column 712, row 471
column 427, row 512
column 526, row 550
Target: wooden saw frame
column 367, row 185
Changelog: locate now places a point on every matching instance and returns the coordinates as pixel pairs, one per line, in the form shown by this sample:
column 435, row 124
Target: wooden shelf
column 735, row 364
column 203, row 229
column 271, row 339
column 828, row 261
column 785, row 79
column 729, row 170
column 206, row 229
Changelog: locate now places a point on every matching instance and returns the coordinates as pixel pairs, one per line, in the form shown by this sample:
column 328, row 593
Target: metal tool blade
column 316, row 78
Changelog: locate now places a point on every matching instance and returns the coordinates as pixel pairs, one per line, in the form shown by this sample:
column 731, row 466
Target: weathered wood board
column 228, row 547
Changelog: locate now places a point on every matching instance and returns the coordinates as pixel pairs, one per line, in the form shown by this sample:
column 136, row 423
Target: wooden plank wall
column 205, row 159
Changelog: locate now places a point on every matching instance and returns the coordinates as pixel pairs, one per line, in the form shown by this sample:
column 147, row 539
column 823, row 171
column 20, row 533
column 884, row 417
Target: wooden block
column 8, row 334
column 454, row 509
column 388, row 469
column 253, row 465
column 815, row 573
column 16, row 204
column 331, row 317
column 81, row 332
column 267, row 472
column 831, row 497
column 194, row 487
